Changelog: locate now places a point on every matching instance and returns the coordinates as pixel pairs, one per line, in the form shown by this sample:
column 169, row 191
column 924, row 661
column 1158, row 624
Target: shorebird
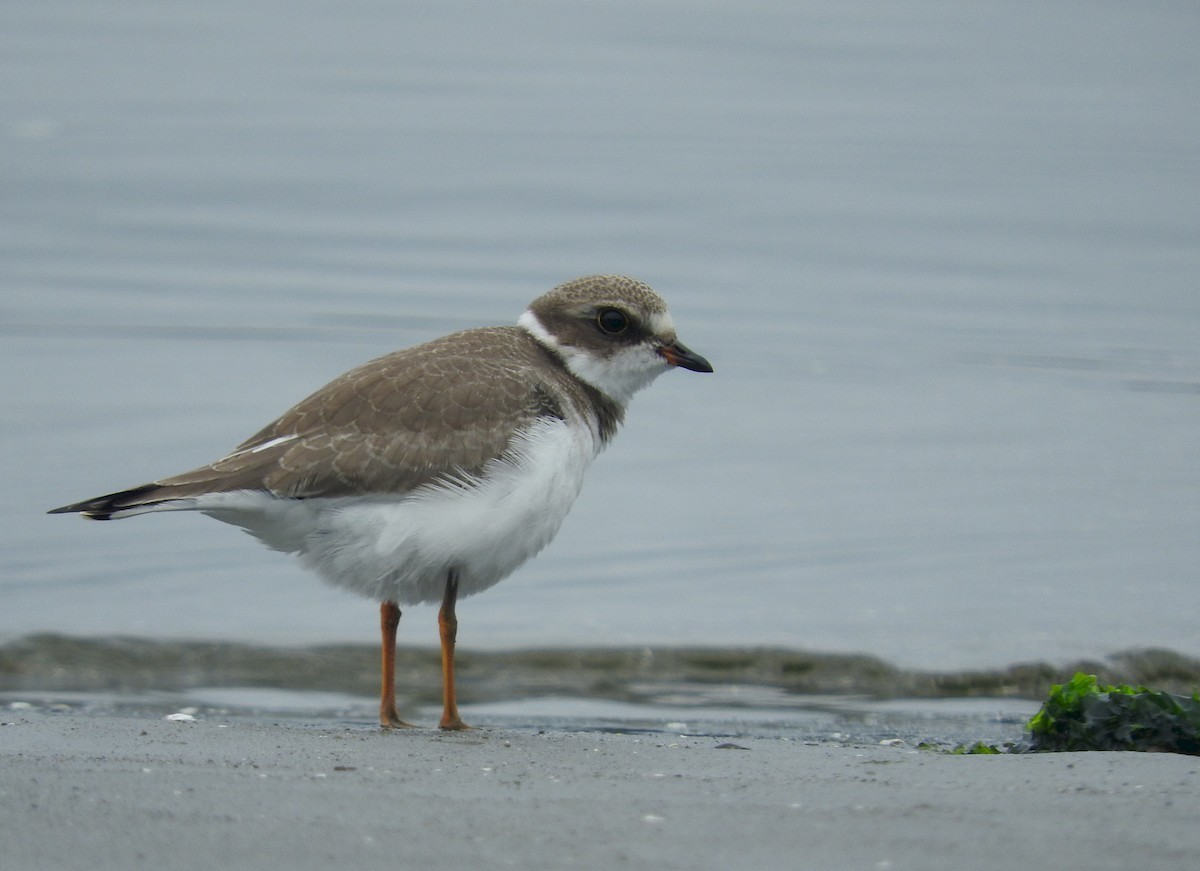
column 435, row 471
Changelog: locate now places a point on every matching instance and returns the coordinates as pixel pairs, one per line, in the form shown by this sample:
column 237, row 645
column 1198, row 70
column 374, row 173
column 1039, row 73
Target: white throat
column 618, row 376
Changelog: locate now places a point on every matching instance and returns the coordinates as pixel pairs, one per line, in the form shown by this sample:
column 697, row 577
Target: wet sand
column 135, row 790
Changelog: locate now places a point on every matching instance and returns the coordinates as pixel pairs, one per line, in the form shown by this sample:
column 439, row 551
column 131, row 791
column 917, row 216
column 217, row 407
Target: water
column 942, row 724
column 942, row 256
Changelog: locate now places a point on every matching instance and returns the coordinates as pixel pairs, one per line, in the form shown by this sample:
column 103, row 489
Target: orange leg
column 389, row 621
column 448, row 629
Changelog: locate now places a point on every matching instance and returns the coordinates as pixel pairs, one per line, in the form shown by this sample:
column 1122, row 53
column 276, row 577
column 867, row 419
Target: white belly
column 402, row 547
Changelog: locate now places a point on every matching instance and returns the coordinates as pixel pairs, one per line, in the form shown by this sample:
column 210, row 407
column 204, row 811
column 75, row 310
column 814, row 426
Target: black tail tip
column 87, row 509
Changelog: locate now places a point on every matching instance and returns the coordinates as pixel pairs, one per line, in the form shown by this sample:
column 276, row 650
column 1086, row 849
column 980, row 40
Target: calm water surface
column 944, row 258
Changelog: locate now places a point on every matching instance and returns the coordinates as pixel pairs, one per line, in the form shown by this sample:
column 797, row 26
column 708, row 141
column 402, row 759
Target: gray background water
column 944, row 257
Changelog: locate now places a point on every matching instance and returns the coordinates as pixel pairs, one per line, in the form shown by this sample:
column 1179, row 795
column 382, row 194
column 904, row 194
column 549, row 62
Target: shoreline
column 642, row 675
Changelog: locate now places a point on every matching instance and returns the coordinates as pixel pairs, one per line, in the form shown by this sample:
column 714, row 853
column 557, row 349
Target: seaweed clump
column 1083, row 714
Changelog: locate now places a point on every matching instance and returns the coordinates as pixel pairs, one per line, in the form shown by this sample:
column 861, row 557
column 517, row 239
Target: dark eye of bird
column 612, row 321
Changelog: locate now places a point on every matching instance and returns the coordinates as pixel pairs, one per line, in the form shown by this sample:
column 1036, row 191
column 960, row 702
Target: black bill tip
column 678, row 354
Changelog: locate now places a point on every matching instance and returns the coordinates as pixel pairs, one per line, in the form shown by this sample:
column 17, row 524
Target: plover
column 435, row 471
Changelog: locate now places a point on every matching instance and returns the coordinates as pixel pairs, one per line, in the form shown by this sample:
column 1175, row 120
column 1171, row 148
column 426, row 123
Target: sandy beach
column 127, row 791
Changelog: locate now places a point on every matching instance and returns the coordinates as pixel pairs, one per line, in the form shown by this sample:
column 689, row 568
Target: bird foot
column 391, row 720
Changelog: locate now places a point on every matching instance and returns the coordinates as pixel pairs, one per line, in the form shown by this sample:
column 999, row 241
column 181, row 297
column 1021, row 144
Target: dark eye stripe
column 612, row 321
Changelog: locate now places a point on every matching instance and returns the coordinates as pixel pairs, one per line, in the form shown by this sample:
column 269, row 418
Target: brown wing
column 443, row 408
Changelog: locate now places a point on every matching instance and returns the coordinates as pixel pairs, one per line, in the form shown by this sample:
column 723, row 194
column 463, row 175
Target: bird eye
column 612, row 321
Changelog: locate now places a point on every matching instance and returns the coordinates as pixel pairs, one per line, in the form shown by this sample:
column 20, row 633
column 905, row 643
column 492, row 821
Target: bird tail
column 127, row 503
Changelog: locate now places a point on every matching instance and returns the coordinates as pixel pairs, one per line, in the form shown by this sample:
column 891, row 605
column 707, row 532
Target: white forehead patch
column 661, row 324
